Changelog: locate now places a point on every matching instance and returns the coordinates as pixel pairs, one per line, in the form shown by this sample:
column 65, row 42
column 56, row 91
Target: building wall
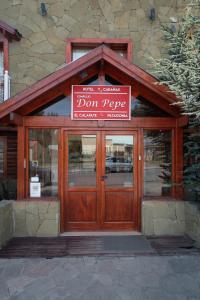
column 42, row 48
column 36, row 218
column 6, row 222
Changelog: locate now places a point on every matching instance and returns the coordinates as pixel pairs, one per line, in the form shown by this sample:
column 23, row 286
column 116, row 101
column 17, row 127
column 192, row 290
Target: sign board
column 35, row 189
column 101, row 102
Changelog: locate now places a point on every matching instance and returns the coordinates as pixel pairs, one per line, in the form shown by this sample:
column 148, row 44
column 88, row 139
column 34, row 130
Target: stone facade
column 192, row 219
column 163, row 218
column 6, row 222
column 42, row 48
column 36, row 218
column 171, row 218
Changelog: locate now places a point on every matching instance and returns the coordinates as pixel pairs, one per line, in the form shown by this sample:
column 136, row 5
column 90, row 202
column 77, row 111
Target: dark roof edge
column 9, row 31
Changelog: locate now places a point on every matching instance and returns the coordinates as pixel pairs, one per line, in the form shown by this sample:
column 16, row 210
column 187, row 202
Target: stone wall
column 192, row 219
column 163, row 217
column 42, row 48
column 6, row 222
column 36, row 218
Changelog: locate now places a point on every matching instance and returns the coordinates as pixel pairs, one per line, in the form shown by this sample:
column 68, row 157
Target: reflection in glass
column 140, row 107
column 82, row 160
column 79, row 52
column 157, row 162
column 119, row 160
column 111, row 81
column 94, row 80
column 43, row 159
column 61, row 106
column 2, row 157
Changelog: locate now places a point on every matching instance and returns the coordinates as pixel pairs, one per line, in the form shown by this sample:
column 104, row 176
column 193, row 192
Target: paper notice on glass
column 35, row 189
column 35, row 179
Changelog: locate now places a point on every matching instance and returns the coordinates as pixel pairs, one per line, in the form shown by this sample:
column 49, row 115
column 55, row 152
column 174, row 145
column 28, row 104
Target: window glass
column 61, row 106
column 119, row 163
column 2, row 156
column 79, row 52
column 157, row 162
column 91, row 81
column 82, row 160
column 111, row 81
column 140, row 107
column 43, row 160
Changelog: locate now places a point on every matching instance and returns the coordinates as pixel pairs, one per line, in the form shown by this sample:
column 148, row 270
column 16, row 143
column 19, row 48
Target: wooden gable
column 76, row 72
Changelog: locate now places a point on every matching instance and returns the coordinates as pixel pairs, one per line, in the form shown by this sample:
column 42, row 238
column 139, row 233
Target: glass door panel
column 82, row 160
column 119, row 163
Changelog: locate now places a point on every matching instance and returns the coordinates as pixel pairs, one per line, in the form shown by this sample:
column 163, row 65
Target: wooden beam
column 178, row 163
column 8, row 128
column 182, row 121
column 135, row 122
column 20, row 163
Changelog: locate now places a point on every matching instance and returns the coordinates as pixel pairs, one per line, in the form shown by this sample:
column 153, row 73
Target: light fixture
column 152, row 14
column 43, row 10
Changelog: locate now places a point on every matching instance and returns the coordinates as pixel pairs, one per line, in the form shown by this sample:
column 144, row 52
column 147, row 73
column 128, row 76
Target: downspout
column 6, row 86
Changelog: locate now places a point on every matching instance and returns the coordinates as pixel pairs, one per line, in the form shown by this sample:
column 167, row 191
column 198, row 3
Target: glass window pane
column 157, row 163
column 111, row 81
column 61, row 106
column 140, row 107
column 2, row 156
column 43, row 159
column 82, row 160
column 77, row 53
column 91, row 81
column 119, row 160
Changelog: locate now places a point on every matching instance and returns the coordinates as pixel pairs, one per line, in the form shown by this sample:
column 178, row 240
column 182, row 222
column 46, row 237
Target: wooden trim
column 9, row 32
column 16, row 119
column 96, row 42
column 20, row 163
column 6, row 54
column 93, row 57
column 137, row 122
column 178, row 164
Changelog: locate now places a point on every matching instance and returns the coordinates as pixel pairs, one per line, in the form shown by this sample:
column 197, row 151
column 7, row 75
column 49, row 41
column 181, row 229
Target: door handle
column 104, row 177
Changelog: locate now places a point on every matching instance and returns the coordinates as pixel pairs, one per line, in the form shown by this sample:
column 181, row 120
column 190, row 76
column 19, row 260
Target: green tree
column 180, row 71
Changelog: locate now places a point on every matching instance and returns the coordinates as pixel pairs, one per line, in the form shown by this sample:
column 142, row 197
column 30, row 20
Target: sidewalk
column 105, row 278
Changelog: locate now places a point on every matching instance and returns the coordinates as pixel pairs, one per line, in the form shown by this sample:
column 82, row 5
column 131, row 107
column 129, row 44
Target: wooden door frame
column 65, row 188
column 139, row 124
column 134, row 188
column 100, row 133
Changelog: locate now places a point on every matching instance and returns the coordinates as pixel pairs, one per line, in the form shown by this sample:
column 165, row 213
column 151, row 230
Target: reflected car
column 113, row 165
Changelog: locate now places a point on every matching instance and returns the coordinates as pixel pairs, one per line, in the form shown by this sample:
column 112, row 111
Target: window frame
column 4, row 45
column 27, row 158
column 173, row 162
column 4, row 139
column 119, row 43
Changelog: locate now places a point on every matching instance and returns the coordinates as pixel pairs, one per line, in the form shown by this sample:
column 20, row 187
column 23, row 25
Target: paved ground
column 94, row 278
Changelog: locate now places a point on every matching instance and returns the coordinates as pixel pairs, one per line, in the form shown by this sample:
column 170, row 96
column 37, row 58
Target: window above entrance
column 77, row 48
column 7, row 34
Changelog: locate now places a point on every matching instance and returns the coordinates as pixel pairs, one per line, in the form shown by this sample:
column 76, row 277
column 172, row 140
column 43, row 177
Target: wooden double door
column 100, row 180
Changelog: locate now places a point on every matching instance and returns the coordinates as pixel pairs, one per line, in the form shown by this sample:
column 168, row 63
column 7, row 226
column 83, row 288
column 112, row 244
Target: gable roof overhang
column 53, row 85
column 9, row 32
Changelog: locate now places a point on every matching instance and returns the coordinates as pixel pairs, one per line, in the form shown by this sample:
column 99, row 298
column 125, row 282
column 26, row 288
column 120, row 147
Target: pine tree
column 180, row 71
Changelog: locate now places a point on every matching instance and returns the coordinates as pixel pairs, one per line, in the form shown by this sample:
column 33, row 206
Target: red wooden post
column 20, row 163
column 179, row 162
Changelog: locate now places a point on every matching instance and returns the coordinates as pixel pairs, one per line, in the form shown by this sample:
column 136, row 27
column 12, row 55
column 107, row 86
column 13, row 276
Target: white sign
column 35, row 189
column 35, row 179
